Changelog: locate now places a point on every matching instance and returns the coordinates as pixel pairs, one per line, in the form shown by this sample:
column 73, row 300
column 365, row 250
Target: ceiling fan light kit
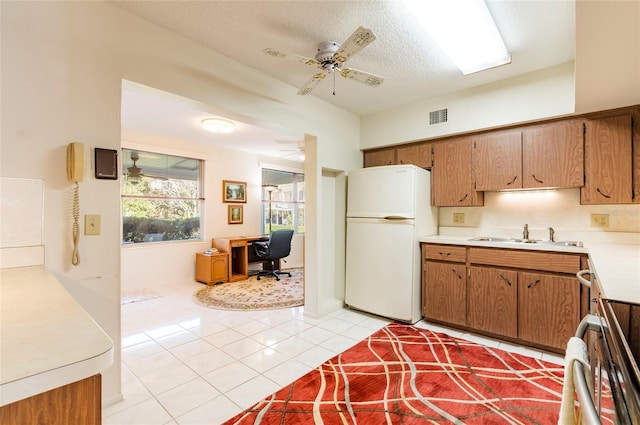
column 218, row 125
column 465, row 30
column 330, row 59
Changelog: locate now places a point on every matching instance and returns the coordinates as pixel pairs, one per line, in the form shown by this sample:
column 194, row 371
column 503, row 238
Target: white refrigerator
column 388, row 211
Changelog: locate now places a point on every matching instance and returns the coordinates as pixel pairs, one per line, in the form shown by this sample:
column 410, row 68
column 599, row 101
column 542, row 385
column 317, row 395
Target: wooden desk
column 240, row 254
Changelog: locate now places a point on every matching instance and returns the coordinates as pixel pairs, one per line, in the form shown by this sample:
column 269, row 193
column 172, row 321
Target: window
column 161, row 197
column 282, row 201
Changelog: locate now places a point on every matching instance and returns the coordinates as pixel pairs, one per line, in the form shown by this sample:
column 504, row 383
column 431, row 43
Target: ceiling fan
column 298, row 151
column 330, row 59
column 135, row 173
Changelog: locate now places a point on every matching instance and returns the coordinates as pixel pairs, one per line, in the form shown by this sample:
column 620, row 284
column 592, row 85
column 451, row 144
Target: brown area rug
column 408, row 375
column 252, row 294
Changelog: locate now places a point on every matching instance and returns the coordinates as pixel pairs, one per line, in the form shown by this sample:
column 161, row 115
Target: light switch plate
column 92, row 224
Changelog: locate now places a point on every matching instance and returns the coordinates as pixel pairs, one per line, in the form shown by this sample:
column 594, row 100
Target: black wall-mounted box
column 106, row 164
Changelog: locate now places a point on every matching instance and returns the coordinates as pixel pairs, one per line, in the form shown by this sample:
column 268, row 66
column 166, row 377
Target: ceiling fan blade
column 312, row 83
column 302, row 59
column 360, row 39
column 361, row 76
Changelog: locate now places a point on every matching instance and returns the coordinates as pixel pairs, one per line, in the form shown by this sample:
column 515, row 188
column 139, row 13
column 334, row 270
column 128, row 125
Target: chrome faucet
column 525, row 233
column 552, row 234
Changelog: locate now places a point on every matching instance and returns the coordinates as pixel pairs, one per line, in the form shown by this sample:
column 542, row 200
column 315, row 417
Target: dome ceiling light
column 218, row 125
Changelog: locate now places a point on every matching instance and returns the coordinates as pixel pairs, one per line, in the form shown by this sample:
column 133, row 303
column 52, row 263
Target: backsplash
column 22, row 214
column 505, row 214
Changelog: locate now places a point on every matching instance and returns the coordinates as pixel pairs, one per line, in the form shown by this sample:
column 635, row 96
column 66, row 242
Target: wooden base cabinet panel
column 548, row 309
column 211, row 269
column 73, row 404
column 492, row 299
column 444, row 292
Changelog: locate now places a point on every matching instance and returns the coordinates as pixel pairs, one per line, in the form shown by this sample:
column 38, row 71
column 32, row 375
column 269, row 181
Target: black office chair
column 278, row 247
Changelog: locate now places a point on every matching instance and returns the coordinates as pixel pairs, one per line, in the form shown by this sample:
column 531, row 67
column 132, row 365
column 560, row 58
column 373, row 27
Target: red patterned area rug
column 408, row 375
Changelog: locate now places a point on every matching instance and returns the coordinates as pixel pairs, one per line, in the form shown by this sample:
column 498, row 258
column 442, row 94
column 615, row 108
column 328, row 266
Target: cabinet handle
column 534, row 283
column 505, row 279
column 512, row 181
column 536, row 179
column 600, row 192
column 457, row 274
column 464, row 197
column 444, row 254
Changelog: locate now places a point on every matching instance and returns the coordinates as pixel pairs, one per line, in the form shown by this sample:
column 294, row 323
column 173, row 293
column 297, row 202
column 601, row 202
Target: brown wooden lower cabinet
column 73, row 404
column 548, row 309
column 492, row 300
column 498, row 292
column 444, row 297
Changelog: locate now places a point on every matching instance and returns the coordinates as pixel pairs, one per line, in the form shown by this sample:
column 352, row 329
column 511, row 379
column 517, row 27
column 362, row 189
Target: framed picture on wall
column 234, row 191
column 235, row 214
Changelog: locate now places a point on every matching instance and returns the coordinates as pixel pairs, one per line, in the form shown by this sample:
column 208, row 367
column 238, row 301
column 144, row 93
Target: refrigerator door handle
column 395, row 218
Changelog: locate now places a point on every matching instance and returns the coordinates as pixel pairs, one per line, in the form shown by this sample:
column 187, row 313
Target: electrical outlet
column 458, row 218
column 599, row 220
column 92, row 224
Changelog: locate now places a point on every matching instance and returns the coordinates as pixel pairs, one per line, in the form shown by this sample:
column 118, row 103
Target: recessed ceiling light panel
column 465, row 30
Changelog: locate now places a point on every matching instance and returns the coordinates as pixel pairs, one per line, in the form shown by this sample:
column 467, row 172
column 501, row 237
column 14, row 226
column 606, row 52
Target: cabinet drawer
column 535, row 260
column 457, row 254
column 237, row 243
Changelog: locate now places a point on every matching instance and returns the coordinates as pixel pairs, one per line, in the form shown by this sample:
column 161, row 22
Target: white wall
column 537, row 95
column 62, row 69
column 607, row 54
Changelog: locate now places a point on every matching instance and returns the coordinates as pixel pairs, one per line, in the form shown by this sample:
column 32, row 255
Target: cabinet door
column 451, row 175
column 219, row 268
column 382, row 157
column 548, row 308
column 608, row 161
column 492, row 300
column 444, row 292
column 553, row 156
column 497, row 160
column 418, row 155
column 636, row 156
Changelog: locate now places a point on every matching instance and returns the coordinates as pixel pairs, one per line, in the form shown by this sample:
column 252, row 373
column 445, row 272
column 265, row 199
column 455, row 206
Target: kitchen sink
column 527, row 241
column 563, row 243
column 490, row 239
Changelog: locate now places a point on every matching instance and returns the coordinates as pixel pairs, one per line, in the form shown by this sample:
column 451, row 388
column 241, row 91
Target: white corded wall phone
column 75, row 174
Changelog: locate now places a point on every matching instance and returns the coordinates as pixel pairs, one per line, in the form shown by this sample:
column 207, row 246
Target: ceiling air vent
column 438, row 117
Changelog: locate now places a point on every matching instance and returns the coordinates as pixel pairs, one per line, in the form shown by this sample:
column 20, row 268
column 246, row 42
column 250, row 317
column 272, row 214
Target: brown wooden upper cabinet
column 497, row 160
column 452, row 175
column 380, row 157
column 417, row 154
column 543, row 156
column 608, row 161
column 553, row 155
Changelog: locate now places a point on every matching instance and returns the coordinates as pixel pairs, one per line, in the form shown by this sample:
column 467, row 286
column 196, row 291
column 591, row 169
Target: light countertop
column 617, row 266
column 48, row 340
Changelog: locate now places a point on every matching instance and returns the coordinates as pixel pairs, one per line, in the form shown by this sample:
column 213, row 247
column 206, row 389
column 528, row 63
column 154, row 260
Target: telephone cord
column 75, row 258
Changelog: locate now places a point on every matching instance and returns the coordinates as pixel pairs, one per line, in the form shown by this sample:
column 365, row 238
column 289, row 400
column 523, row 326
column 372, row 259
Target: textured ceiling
column 538, row 34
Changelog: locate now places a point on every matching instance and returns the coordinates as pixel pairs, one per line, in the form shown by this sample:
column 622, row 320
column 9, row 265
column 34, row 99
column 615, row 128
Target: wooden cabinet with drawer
column 444, row 283
column 525, row 296
column 211, row 269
